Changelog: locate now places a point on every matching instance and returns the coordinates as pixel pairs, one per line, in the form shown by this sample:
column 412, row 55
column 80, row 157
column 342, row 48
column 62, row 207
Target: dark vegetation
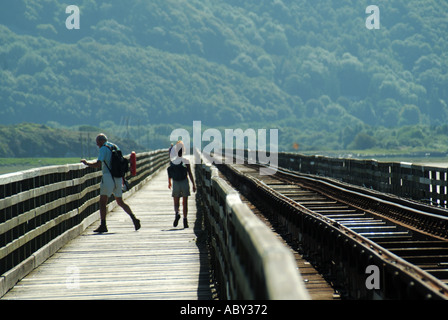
column 143, row 68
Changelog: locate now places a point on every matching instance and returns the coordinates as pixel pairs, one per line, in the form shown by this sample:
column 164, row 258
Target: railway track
column 366, row 244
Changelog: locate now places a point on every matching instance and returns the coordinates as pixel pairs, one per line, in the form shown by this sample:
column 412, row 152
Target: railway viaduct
column 231, row 250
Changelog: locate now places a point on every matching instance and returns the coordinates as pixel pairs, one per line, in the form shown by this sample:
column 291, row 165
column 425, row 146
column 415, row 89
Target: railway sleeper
column 335, row 207
column 441, row 274
column 387, row 235
column 349, row 217
column 370, row 222
column 428, row 262
column 409, row 252
column 338, row 211
column 391, row 245
column 374, row 229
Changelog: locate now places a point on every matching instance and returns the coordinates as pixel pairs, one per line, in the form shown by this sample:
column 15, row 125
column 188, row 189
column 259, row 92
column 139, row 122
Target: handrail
column 427, row 184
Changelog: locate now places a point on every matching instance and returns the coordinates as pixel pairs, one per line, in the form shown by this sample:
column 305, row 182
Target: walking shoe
column 176, row 220
column 185, row 223
column 137, row 224
column 101, row 229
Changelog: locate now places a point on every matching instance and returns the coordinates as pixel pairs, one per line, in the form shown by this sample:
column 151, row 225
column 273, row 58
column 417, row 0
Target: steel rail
column 408, row 210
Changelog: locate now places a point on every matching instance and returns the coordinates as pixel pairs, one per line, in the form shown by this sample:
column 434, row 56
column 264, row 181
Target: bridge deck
column 155, row 262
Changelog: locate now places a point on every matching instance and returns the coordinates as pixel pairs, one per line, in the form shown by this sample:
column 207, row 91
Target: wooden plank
column 156, row 262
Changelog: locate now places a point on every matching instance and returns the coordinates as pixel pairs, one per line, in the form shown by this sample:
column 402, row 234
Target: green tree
column 363, row 141
column 409, row 115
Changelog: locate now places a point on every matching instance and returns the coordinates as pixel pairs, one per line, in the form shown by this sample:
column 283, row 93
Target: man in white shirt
column 109, row 185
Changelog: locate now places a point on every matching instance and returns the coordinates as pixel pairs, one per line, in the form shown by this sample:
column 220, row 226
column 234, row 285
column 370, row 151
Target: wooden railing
column 42, row 209
column 423, row 183
column 248, row 261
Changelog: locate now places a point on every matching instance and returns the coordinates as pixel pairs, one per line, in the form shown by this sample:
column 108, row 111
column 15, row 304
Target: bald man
column 109, row 185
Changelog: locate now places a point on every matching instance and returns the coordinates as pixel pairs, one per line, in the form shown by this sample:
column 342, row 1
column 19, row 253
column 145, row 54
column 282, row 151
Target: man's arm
column 191, row 177
column 92, row 163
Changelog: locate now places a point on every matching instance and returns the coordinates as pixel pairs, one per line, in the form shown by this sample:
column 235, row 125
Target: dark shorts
column 181, row 188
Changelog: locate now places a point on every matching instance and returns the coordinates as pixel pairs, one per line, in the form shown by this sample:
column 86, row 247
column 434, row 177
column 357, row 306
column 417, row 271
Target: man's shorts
column 181, row 188
column 110, row 185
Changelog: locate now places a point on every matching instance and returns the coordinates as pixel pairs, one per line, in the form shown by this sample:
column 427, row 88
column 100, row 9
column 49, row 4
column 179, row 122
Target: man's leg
column 103, row 208
column 176, row 211
column 128, row 210
column 185, row 210
column 103, row 213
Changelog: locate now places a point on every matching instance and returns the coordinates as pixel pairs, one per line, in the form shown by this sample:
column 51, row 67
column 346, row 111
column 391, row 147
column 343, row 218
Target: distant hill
column 309, row 68
column 40, row 141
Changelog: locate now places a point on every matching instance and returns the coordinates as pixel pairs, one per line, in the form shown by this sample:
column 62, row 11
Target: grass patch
column 9, row 165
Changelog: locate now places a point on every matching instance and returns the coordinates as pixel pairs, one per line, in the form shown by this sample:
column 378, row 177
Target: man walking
column 109, row 184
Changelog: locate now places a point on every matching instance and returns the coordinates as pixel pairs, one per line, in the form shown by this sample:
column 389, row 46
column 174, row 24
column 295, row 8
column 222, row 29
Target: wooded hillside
column 309, row 68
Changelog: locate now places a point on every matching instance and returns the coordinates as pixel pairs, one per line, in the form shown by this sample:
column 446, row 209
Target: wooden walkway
column 156, row 262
